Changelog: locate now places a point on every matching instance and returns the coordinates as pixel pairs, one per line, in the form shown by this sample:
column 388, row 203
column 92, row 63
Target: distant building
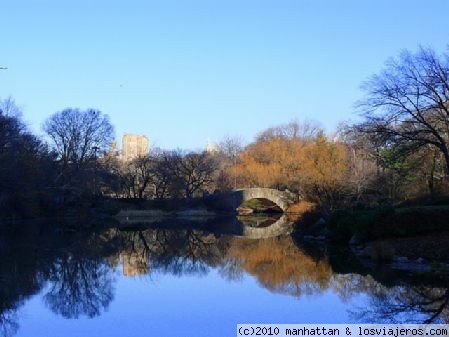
column 212, row 147
column 134, row 146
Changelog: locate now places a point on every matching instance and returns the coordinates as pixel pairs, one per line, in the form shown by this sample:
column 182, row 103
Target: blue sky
column 184, row 71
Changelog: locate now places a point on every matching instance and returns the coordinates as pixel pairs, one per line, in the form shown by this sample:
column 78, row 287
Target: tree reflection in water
column 279, row 265
column 177, row 252
column 8, row 323
column 402, row 303
column 79, row 286
column 79, row 274
column 20, row 277
column 78, row 269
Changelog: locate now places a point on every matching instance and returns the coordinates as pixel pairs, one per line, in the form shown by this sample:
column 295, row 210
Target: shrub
column 385, row 222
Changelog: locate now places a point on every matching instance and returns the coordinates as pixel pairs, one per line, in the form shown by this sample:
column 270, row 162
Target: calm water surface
column 162, row 280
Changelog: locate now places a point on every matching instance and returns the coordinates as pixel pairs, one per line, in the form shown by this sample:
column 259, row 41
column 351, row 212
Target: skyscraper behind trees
column 134, row 146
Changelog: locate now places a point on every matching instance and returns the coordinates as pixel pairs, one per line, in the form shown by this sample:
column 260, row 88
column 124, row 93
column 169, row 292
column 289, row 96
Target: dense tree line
column 76, row 168
column 26, row 163
column 161, row 174
column 398, row 151
column 36, row 177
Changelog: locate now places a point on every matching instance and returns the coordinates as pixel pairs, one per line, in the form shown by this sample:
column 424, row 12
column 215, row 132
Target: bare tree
column 306, row 131
column 230, row 146
column 363, row 161
column 193, row 171
column 8, row 107
column 128, row 180
column 407, row 103
column 77, row 135
column 162, row 177
column 144, row 167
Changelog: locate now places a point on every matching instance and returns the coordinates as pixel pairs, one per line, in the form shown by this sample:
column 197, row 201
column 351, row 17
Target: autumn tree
column 274, row 159
column 325, row 171
column 273, row 163
column 316, row 168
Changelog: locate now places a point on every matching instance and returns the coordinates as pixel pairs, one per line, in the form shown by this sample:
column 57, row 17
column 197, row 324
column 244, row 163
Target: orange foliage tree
column 273, row 163
column 325, row 171
column 318, row 168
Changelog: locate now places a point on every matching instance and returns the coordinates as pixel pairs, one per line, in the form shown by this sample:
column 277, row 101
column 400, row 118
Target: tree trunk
column 431, row 179
column 445, row 151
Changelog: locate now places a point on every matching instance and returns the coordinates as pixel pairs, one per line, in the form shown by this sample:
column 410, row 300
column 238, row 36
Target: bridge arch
column 233, row 199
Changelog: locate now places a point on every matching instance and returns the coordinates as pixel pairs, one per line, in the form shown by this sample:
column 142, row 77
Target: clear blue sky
column 184, row 71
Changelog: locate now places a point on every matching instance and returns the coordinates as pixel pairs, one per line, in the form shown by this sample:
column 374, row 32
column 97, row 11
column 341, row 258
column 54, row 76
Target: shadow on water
column 75, row 270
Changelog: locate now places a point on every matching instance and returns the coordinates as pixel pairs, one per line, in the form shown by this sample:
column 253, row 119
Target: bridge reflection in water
column 75, row 272
column 259, row 246
column 257, row 226
column 282, row 226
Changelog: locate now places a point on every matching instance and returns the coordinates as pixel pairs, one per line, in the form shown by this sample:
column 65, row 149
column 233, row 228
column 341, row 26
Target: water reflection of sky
column 190, row 282
column 166, row 305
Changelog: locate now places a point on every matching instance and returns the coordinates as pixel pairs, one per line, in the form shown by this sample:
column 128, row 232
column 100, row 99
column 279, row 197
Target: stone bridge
column 233, row 199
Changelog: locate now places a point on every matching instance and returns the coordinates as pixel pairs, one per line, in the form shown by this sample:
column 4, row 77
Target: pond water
column 187, row 280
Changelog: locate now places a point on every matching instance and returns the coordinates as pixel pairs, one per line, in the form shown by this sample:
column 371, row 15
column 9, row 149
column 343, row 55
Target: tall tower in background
column 211, row 147
column 134, row 146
